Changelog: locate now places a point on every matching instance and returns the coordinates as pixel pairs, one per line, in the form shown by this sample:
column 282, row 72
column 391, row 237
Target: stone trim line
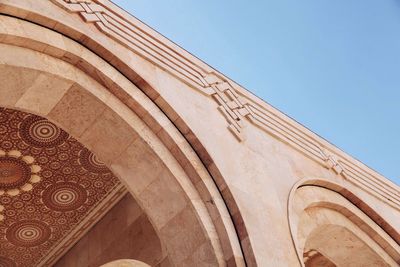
column 138, row 40
column 235, row 103
column 362, row 178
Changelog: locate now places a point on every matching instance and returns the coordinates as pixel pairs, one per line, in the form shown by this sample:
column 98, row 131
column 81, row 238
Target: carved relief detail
column 332, row 163
column 230, row 105
column 130, row 36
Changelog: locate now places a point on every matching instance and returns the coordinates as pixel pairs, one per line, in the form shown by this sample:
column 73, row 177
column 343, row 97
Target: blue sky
column 334, row 66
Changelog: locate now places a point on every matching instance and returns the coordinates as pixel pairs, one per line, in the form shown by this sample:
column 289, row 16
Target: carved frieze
column 234, row 103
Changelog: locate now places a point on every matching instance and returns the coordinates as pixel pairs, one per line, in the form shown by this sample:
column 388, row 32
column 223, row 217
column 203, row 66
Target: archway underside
column 50, row 186
column 53, row 190
column 119, row 94
column 129, row 149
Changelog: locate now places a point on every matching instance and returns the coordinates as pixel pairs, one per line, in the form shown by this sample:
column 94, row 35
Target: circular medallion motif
column 64, row 196
column 17, row 172
column 6, row 262
column 40, row 132
column 91, row 163
column 28, row 233
column 13, row 172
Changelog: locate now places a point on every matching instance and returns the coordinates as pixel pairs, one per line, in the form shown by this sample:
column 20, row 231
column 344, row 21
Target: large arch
column 144, row 76
column 87, row 92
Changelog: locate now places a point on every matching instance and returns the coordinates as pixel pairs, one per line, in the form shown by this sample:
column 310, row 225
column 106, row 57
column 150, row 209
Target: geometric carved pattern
column 230, row 105
column 6, row 262
column 234, row 104
column 1, row 213
column 333, row 163
column 72, row 183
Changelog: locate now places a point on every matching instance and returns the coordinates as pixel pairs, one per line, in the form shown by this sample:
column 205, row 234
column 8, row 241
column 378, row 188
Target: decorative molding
column 234, row 102
column 134, row 38
column 332, row 163
column 230, row 104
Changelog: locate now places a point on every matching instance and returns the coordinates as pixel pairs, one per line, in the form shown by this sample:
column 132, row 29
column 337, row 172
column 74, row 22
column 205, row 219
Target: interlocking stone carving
column 230, row 105
column 332, row 163
column 127, row 34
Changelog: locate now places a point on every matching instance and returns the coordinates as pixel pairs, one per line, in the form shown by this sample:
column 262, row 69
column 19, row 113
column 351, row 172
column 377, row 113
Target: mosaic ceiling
column 49, row 184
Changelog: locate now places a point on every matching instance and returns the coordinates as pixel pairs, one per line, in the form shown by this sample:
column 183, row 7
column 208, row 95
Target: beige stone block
column 202, row 256
column 138, row 166
column 108, row 136
column 125, row 112
column 14, row 82
column 83, row 259
column 127, row 239
column 163, row 199
column 95, row 242
column 131, row 210
column 45, row 92
column 183, row 234
column 77, row 110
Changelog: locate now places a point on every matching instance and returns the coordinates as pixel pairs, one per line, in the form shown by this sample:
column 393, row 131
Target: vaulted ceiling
column 52, row 189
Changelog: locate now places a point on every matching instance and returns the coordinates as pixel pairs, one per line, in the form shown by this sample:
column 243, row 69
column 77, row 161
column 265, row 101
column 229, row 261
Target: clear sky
column 334, row 66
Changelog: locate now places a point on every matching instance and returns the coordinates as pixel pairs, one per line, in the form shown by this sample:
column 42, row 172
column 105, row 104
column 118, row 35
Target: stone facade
column 218, row 177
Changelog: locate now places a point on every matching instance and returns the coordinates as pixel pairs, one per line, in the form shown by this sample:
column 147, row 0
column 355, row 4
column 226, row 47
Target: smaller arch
column 125, row 263
column 352, row 198
column 330, row 204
